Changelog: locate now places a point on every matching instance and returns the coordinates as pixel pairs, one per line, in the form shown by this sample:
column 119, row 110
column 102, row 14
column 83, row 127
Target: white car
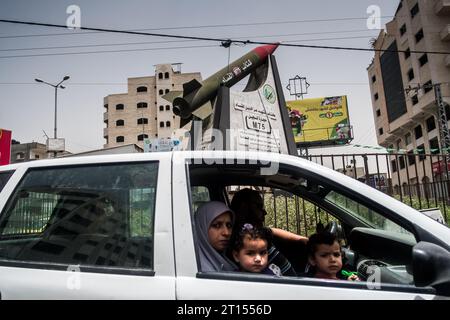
column 121, row 226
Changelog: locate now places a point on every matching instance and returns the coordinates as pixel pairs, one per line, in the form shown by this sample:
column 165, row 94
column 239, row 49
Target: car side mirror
column 349, row 258
column 431, row 267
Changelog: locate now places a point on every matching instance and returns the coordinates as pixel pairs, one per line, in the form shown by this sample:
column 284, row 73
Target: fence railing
column 419, row 180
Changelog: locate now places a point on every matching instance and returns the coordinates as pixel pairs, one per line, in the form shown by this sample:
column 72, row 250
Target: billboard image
column 320, row 121
column 5, row 146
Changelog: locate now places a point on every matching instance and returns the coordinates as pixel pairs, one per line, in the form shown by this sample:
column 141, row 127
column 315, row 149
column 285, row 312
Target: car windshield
column 361, row 212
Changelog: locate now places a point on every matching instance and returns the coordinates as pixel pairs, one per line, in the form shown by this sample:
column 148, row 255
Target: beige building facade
column 406, row 119
column 142, row 113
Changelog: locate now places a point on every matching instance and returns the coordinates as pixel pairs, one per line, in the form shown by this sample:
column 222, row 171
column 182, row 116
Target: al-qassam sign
column 253, row 120
column 320, row 121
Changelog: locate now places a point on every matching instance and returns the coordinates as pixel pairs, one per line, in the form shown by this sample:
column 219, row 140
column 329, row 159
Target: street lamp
column 56, row 86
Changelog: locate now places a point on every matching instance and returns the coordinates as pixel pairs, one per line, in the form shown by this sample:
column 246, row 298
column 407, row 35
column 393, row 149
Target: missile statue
column 195, row 99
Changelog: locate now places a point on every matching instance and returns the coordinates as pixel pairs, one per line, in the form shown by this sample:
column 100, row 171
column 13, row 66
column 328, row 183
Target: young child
column 324, row 255
column 250, row 250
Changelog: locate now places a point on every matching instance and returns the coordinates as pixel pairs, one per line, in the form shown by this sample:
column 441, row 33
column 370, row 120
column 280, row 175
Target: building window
column 120, row 139
column 36, row 156
column 408, row 138
column 407, row 53
column 120, row 123
column 120, row 106
column 141, row 89
column 142, row 121
column 20, row 155
column 161, row 92
column 160, row 75
column 410, row 74
column 166, row 75
column 141, row 137
column 378, row 113
column 380, row 131
column 161, row 108
column 374, row 79
column 401, row 161
column 167, row 90
column 447, row 112
column 168, row 124
column 414, row 10
column 161, row 124
column 394, row 165
column 167, row 107
column 411, row 158
column 431, row 124
column 414, row 99
column 105, row 106
column 419, row 35
column 418, row 132
column 434, row 146
column 399, row 144
column 423, row 59
column 421, row 151
column 376, row 96
column 403, row 29
column 427, row 87
column 142, row 105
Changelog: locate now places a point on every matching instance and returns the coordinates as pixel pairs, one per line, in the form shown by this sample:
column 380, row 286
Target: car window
column 200, row 195
column 360, row 211
column 4, row 177
column 296, row 201
column 97, row 215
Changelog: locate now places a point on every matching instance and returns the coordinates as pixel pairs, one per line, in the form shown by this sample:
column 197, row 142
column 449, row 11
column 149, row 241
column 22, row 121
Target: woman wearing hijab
column 214, row 223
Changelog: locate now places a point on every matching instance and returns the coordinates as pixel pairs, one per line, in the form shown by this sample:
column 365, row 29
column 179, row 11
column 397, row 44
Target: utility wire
column 219, row 39
column 200, row 27
column 158, row 42
column 106, row 51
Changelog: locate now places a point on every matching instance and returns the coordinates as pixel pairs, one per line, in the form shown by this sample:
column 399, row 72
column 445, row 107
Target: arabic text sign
column 161, row 144
column 319, row 119
column 5, row 146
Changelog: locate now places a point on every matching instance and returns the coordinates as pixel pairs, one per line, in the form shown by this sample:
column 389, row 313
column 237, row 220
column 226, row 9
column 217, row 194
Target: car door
column 192, row 284
column 90, row 228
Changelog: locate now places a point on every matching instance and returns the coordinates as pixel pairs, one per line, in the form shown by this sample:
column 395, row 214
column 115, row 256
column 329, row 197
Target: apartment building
column 142, row 112
column 406, row 120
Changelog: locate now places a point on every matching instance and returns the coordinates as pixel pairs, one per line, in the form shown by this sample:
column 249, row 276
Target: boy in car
column 325, row 258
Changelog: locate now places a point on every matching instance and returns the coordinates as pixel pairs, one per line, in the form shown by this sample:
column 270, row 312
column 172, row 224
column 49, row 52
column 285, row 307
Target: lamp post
column 56, row 86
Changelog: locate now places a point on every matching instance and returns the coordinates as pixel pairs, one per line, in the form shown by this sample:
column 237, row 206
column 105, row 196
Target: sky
column 27, row 107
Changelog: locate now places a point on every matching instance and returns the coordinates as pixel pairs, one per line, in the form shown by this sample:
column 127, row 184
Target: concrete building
column 142, row 112
column 21, row 152
column 408, row 119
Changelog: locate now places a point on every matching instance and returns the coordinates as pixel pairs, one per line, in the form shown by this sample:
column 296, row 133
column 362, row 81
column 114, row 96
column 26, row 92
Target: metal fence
column 419, row 180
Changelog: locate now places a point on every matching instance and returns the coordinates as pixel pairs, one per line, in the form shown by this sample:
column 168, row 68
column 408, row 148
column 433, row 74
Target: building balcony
column 105, row 116
column 442, row 7
column 426, row 105
column 445, row 33
column 401, row 126
column 105, row 132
